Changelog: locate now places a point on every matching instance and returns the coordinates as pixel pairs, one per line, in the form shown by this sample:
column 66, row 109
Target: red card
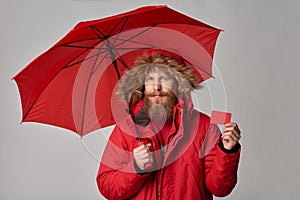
column 218, row 117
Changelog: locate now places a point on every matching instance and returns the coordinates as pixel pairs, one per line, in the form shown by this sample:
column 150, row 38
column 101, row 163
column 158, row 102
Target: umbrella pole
column 134, row 124
column 113, row 59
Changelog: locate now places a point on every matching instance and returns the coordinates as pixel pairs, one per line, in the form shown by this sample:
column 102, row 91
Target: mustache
column 153, row 94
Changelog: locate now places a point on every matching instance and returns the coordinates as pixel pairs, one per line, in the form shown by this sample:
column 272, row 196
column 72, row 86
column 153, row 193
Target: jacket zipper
column 156, row 190
column 156, row 176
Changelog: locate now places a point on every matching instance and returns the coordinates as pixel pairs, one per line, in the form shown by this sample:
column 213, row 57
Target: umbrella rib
column 88, row 58
column 121, row 60
column 125, row 19
column 103, row 48
column 93, row 70
column 99, row 64
column 129, row 39
column 109, row 48
column 82, row 47
column 76, row 41
column 134, row 42
column 96, row 31
column 66, row 66
column 124, row 40
column 85, row 97
column 133, row 48
column 122, row 27
column 79, row 55
column 119, row 57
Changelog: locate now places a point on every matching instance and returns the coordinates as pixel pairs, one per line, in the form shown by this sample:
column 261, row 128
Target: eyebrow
column 160, row 74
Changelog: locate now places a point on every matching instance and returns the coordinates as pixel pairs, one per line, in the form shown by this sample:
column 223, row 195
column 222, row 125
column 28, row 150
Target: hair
column 131, row 86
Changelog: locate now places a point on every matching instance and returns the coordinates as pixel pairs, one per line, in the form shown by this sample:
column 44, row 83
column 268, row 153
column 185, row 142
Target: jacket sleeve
column 220, row 169
column 117, row 178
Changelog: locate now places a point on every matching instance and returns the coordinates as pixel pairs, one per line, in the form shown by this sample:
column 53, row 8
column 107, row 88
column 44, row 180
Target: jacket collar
column 183, row 107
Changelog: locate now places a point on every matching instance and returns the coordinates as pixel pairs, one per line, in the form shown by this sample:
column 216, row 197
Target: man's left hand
column 231, row 136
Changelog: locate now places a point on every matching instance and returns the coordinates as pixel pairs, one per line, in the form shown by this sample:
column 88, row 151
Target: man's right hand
column 143, row 156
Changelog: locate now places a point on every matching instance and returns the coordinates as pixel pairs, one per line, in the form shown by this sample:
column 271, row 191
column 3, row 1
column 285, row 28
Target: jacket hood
column 131, row 85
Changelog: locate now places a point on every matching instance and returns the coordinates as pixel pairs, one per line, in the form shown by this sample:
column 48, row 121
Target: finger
column 235, row 125
column 229, row 144
column 229, row 141
column 230, row 138
column 142, row 156
column 146, row 160
column 148, row 145
column 232, row 129
column 235, row 136
column 143, row 146
column 142, row 152
column 232, row 132
column 140, row 147
column 142, row 163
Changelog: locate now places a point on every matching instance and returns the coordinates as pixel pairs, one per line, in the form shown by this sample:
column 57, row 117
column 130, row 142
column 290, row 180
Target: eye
column 149, row 79
column 164, row 78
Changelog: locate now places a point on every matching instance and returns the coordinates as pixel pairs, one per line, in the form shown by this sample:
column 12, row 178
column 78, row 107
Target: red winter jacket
column 194, row 165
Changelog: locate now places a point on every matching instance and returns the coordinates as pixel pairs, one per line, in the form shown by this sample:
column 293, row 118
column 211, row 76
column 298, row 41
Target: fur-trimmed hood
column 131, row 84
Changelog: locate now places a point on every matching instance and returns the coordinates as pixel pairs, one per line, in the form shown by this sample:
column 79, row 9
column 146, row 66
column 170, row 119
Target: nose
column 157, row 86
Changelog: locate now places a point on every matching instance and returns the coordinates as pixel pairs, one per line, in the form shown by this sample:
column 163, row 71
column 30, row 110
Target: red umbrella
column 71, row 84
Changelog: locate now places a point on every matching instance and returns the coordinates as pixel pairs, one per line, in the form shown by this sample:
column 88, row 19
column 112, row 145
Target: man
column 182, row 155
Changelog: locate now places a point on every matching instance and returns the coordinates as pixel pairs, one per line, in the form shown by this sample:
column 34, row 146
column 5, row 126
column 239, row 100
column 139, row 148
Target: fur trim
column 131, row 85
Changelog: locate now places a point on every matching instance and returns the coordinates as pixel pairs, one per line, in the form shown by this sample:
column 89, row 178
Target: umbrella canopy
column 71, row 84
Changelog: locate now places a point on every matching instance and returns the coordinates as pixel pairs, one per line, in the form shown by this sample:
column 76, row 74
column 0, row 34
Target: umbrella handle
column 145, row 141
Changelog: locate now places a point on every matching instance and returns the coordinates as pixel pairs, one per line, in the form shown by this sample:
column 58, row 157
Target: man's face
column 160, row 95
column 158, row 85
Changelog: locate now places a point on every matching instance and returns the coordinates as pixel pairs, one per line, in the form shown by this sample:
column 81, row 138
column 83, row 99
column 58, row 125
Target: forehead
column 157, row 73
column 158, row 70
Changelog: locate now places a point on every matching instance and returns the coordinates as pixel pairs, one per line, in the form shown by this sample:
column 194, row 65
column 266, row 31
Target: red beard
column 160, row 109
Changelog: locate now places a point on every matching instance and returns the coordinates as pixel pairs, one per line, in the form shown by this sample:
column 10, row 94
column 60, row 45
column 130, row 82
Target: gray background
column 257, row 56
